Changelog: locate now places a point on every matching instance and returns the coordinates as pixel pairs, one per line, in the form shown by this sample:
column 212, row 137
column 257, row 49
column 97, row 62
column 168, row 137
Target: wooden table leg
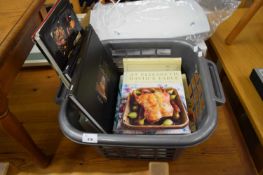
column 243, row 21
column 15, row 129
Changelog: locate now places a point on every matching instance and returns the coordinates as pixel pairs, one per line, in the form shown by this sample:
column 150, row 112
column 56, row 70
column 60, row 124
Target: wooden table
column 239, row 59
column 19, row 18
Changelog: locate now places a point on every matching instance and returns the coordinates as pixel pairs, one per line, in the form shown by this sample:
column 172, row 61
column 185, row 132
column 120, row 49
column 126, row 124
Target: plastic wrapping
column 217, row 11
column 194, row 20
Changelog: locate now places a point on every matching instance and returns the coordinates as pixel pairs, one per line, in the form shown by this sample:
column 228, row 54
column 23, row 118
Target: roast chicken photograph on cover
column 152, row 98
column 154, row 107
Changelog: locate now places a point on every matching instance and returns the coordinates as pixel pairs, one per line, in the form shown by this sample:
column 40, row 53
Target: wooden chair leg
column 43, row 12
column 243, row 21
column 75, row 3
column 76, row 6
column 15, row 129
column 243, row 3
column 158, row 168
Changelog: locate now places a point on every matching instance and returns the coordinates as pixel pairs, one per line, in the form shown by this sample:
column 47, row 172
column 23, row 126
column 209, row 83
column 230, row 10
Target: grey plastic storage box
column 153, row 146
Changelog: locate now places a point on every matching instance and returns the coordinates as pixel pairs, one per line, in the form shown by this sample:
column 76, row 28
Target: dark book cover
column 83, row 64
column 61, row 34
column 95, row 82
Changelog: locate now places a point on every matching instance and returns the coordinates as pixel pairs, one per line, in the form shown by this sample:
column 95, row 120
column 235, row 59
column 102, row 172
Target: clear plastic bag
column 194, row 20
column 217, row 11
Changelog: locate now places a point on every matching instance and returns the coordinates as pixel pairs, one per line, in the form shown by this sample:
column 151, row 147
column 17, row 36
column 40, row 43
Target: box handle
column 219, row 96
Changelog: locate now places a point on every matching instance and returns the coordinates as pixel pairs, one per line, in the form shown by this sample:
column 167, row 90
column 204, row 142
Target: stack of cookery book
column 151, row 97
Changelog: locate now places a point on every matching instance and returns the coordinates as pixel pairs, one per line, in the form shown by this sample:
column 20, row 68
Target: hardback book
column 256, row 77
column 152, row 93
column 82, row 64
column 36, row 58
column 152, row 98
column 59, row 37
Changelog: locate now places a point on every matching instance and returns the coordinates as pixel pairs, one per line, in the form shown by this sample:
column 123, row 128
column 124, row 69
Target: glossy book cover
column 152, row 97
column 59, row 38
column 82, row 63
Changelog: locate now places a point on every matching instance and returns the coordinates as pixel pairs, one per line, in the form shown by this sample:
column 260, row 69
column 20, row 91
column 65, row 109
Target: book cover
column 59, row 38
column 95, row 83
column 152, row 97
column 82, row 63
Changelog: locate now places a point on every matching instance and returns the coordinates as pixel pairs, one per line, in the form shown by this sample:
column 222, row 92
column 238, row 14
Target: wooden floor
column 32, row 99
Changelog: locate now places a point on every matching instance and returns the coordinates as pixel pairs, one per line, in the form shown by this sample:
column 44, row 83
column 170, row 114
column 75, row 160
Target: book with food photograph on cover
column 152, row 94
column 152, row 98
column 59, row 38
column 85, row 68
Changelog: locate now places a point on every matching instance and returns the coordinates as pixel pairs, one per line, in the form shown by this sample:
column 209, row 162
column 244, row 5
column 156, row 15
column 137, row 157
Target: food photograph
column 154, row 108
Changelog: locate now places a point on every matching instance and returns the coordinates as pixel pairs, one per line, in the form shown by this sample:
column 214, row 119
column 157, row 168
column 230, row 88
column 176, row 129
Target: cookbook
column 82, row 63
column 152, row 98
column 59, row 37
column 152, row 94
